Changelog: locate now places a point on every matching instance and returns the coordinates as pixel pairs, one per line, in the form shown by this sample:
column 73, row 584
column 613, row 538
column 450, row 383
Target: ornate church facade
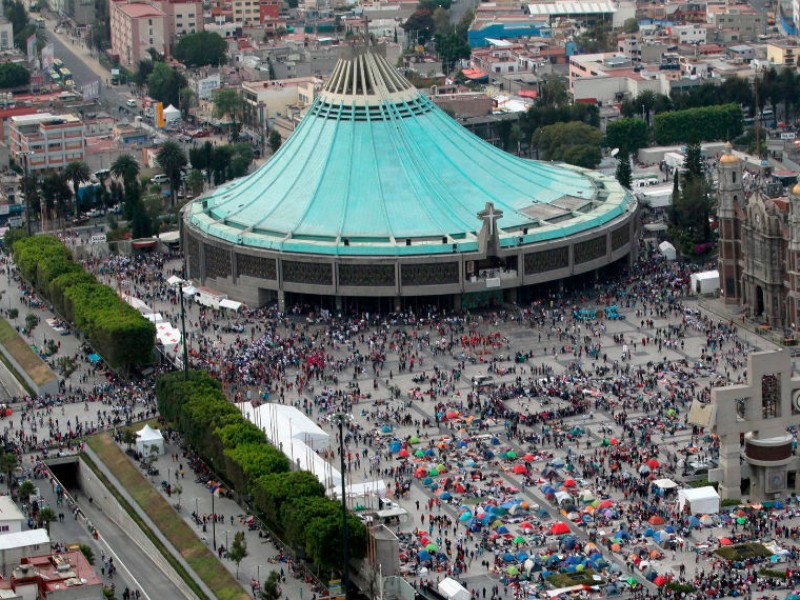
column 759, row 248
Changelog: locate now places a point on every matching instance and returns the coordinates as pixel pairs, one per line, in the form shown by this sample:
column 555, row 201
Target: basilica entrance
column 759, row 301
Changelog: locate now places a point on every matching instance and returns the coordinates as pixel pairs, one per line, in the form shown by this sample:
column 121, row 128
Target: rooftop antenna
column 366, row 24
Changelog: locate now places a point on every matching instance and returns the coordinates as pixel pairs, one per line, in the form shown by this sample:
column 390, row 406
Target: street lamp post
column 213, row 521
column 345, row 547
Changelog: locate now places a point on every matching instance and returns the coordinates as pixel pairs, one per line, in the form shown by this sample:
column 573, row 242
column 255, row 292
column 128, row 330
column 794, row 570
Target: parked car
column 201, row 133
column 131, row 102
column 160, row 178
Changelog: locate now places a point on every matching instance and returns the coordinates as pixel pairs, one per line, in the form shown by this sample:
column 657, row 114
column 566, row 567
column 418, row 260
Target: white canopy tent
column 146, row 438
column 172, row 114
column 700, row 501
column 665, row 484
column 174, row 280
column 300, row 439
column 667, row 250
column 705, row 282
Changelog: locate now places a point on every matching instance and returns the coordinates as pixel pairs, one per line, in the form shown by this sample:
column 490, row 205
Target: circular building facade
column 380, row 194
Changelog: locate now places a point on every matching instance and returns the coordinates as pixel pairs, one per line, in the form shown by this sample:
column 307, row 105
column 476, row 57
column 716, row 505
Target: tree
column 693, row 163
column 630, row 26
column 77, row 172
column 238, row 550
column 165, row 83
column 26, row 490
column 195, row 182
column 271, row 590
column 142, row 74
column 553, row 93
column 201, row 49
column 574, row 143
column 31, row 321
column 141, row 223
column 171, row 159
column 627, row 134
column 624, row 172
column 228, row 102
column 87, row 552
column 125, row 167
column 442, row 20
column 46, row 516
column 451, row 48
column 275, row 140
column 15, row 12
column 419, row 26
column 13, row 75
column 8, row 464
column 188, row 99
column 128, row 437
column 56, row 195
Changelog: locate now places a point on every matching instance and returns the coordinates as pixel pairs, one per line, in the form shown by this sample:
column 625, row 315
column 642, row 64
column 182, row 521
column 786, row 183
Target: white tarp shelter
column 154, row 317
column 167, row 335
column 300, row 438
column 230, row 304
column 189, row 291
column 706, row 282
column 172, row 114
column 665, row 484
column 146, row 438
column 667, row 250
column 452, row 590
column 174, row 280
column 700, row 501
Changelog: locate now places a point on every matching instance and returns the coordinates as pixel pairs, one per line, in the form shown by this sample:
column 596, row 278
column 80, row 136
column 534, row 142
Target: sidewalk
column 79, row 49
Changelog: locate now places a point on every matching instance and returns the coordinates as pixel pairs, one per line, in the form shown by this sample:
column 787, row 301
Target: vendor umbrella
column 403, row 453
column 512, row 570
column 519, row 540
column 431, row 547
column 655, row 520
column 725, row 541
column 520, row 470
column 652, row 463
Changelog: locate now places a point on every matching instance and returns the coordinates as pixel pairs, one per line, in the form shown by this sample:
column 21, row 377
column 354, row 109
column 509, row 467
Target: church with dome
column 379, row 200
column 759, row 247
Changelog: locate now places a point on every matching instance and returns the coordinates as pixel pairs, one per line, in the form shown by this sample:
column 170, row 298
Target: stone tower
column 730, row 201
column 793, row 260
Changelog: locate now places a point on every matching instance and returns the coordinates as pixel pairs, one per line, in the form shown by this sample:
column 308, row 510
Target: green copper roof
column 374, row 163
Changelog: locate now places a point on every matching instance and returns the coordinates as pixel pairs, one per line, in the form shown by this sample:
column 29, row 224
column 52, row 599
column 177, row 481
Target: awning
column 95, row 357
column 144, row 244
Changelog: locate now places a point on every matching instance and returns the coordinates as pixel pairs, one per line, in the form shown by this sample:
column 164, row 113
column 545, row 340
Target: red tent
column 559, row 528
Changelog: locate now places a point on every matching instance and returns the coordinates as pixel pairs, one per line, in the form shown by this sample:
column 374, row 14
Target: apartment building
column 47, row 141
column 6, row 34
column 135, row 27
column 181, row 17
column 246, row 12
column 783, row 53
column 264, row 100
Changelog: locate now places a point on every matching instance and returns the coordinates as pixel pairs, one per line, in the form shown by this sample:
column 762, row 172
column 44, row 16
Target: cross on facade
column 490, row 215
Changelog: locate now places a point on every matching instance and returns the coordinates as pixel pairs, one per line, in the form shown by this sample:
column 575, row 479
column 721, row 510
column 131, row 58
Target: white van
column 160, row 178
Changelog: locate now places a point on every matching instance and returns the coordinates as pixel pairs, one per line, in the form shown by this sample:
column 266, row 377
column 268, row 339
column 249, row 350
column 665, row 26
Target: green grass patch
column 681, row 588
column 560, row 580
column 730, row 502
column 180, row 535
column 743, row 551
column 31, row 363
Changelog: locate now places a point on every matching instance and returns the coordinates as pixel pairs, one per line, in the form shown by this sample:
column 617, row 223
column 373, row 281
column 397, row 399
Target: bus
column 58, row 63
column 66, row 73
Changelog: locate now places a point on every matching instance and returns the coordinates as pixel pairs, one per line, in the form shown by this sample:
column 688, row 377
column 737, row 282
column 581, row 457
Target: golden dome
column 728, row 159
column 796, row 190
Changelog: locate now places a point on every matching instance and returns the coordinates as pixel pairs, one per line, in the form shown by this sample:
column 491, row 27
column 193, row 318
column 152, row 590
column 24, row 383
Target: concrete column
column 281, row 300
column 398, row 304
column 730, row 486
column 338, row 300
column 512, row 295
column 457, row 301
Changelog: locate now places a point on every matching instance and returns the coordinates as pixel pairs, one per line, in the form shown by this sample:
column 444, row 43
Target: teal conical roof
column 375, row 163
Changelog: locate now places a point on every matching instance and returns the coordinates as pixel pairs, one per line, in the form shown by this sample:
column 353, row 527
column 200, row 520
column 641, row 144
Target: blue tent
column 502, row 529
column 446, row 496
column 387, row 429
column 395, row 447
column 648, row 532
column 424, row 555
column 508, row 557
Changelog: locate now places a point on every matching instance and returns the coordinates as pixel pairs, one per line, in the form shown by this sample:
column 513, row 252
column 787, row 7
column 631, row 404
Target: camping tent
column 452, row 590
column 172, row 114
column 146, row 438
column 700, row 501
column 667, row 250
column 706, row 282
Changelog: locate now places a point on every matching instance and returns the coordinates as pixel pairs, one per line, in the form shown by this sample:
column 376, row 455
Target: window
column 770, row 396
column 5, row 528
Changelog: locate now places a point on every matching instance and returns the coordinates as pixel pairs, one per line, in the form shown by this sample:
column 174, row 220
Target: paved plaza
column 593, row 402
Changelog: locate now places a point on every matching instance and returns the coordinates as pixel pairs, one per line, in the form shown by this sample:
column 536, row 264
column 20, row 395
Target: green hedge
column 292, row 503
column 121, row 335
column 708, row 123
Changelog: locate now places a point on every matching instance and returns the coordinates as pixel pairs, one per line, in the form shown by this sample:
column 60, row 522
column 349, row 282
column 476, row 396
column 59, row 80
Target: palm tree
column 77, row 172
column 171, row 159
column 46, row 516
column 126, row 168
